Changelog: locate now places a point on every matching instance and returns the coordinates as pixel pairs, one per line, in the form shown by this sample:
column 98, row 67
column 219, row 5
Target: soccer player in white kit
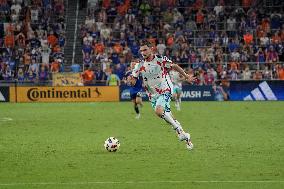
column 155, row 74
column 177, row 79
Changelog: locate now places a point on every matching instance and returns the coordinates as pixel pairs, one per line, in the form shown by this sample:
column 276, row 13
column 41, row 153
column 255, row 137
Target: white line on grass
column 142, row 182
column 6, row 119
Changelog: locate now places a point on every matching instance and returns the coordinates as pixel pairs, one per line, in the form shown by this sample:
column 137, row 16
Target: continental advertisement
column 66, row 79
column 65, row 94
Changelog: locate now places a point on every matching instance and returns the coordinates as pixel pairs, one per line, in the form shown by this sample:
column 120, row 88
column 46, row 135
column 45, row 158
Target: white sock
column 178, row 103
column 177, row 100
column 175, row 124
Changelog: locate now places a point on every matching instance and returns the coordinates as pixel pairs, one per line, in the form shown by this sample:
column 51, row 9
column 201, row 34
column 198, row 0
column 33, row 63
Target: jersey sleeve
column 167, row 63
column 136, row 71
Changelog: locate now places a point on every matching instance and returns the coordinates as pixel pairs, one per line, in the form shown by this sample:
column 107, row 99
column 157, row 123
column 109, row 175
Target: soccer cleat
column 186, row 137
column 189, row 145
column 138, row 116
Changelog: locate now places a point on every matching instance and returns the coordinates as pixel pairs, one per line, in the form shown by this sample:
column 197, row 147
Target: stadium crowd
column 32, row 39
column 212, row 39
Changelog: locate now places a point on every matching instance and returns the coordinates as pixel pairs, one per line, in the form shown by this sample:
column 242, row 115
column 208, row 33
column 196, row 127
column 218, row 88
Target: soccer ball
column 112, row 144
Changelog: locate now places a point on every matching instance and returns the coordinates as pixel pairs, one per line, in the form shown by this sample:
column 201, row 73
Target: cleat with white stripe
column 186, row 137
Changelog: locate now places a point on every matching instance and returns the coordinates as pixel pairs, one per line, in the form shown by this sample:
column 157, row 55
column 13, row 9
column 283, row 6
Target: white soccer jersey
column 155, row 75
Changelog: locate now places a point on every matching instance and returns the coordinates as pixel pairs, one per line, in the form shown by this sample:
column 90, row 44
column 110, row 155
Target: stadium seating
column 211, row 39
column 214, row 41
column 32, row 39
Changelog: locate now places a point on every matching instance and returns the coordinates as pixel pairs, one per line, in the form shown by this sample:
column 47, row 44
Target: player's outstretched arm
column 188, row 78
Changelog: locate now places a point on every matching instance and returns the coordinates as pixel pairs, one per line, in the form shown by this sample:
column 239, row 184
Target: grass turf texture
column 52, row 145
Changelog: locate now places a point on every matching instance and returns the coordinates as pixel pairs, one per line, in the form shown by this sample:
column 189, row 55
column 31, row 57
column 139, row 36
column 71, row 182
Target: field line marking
column 142, row 182
column 6, row 119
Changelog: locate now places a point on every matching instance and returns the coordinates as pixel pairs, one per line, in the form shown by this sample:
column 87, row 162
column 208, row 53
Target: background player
column 135, row 91
column 177, row 79
column 154, row 70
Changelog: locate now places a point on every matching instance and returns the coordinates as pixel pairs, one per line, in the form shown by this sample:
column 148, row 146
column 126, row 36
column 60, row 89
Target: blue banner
column 197, row 93
column 124, row 94
column 256, row 90
column 189, row 93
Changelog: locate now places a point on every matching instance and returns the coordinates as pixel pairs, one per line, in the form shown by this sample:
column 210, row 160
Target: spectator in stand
column 246, row 74
column 267, row 74
column 87, row 60
column 87, row 48
column 100, row 75
column 264, row 40
column 280, row 71
column 27, row 60
column 21, row 75
column 271, row 56
column 46, row 51
column 43, row 73
column 52, row 39
column 276, row 20
column 120, row 68
column 135, row 49
column 208, row 77
column 219, row 92
column 113, row 79
column 55, row 66
column 88, row 39
column 31, row 76
column 232, row 45
column 200, row 19
column 88, row 76
column 105, row 32
column 117, row 48
column 235, row 55
column 260, row 58
column 248, row 38
column 10, row 40
column 115, row 58
column 276, row 38
column 233, row 72
column 257, row 75
column 99, row 48
column 145, row 8
column 231, row 26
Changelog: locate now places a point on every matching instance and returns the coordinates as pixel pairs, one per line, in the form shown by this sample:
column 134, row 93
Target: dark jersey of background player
column 136, row 88
column 135, row 95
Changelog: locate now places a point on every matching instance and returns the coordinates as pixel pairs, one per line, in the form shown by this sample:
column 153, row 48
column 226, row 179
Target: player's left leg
column 139, row 99
column 175, row 96
column 162, row 109
column 178, row 99
column 135, row 104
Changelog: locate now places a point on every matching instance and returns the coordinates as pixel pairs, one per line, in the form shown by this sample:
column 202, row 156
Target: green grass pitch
column 60, row 145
